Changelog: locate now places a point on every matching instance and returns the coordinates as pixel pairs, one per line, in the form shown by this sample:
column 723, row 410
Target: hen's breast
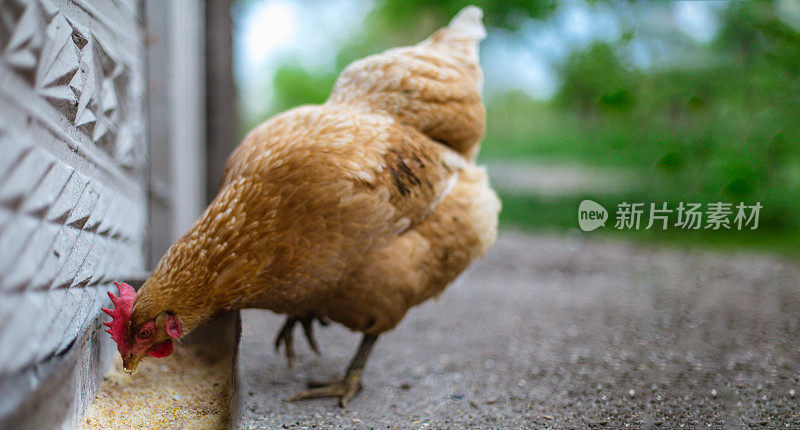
column 420, row 263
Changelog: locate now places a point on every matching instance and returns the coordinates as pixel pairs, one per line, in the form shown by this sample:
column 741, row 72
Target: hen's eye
column 144, row 334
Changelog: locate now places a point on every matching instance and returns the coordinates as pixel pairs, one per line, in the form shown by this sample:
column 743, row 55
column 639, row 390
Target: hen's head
column 134, row 341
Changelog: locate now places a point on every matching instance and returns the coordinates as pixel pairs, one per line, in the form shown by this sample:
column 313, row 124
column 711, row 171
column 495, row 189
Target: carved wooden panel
column 72, row 163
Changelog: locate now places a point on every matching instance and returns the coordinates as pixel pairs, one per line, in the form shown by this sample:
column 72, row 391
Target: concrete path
column 558, row 179
column 548, row 332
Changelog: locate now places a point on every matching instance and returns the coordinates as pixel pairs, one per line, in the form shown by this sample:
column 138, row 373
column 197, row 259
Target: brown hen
column 352, row 211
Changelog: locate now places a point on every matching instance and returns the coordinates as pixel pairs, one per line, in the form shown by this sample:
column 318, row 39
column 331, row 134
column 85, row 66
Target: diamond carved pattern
column 26, row 41
column 70, row 67
column 62, row 234
column 72, row 194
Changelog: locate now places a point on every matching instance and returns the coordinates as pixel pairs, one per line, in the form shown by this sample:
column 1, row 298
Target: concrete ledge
column 58, row 390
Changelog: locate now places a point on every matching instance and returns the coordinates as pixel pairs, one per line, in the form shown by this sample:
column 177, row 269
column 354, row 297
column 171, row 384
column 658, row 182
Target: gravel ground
column 557, row 332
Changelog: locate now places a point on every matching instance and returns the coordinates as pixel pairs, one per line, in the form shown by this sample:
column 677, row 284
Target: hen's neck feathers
column 207, row 270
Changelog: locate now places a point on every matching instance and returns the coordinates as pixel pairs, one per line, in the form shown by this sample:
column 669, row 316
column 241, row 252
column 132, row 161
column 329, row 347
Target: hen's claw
column 349, row 386
column 285, row 335
column 345, row 389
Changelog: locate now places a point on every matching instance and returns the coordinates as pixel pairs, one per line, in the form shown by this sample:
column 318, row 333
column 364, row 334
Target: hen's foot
column 286, row 337
column 345, row 389
column 349, row 386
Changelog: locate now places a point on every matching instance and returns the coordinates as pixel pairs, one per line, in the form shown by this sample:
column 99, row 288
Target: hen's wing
column 327, row 186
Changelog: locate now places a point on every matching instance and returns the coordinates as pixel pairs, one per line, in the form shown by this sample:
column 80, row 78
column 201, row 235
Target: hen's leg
column 348, row 386
column 308, row 329
column 286, row 337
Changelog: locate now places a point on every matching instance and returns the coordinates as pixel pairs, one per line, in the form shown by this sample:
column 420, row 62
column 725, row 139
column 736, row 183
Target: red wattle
column 163, row 349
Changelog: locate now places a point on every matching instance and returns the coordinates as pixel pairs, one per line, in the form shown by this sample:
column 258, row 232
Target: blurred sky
column 268, row 32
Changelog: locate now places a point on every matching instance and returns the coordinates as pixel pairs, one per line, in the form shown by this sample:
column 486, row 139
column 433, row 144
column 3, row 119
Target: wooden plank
column 220, row 92
column 72, row 196
column 177, row 120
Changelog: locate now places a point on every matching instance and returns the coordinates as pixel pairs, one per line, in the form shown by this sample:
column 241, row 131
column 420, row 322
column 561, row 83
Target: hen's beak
column 131, row 362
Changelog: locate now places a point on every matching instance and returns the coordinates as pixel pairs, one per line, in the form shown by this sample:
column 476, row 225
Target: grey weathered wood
column 88, row 192
column 72, row 196
column 176, row 119
column 220, row 93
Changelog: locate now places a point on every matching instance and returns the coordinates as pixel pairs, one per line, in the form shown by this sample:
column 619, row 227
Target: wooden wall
column 102, row 166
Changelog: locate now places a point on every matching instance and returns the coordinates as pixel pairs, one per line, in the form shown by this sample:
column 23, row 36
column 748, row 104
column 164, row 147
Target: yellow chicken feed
column 185, row 390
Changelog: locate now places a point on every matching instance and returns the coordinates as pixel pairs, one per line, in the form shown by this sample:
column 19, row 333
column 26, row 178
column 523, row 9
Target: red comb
column 120, row 315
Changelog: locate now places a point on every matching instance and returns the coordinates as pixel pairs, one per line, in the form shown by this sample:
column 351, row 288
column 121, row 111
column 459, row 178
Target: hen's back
column 434, row 86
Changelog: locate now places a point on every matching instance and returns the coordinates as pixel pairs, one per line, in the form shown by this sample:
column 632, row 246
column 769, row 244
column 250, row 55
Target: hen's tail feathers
column 462, row 35
column 467, row 24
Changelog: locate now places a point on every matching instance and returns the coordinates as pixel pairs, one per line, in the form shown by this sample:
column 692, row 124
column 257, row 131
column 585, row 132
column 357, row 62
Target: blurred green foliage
column 295, row 86
column 726, row 129
column 723, row 125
